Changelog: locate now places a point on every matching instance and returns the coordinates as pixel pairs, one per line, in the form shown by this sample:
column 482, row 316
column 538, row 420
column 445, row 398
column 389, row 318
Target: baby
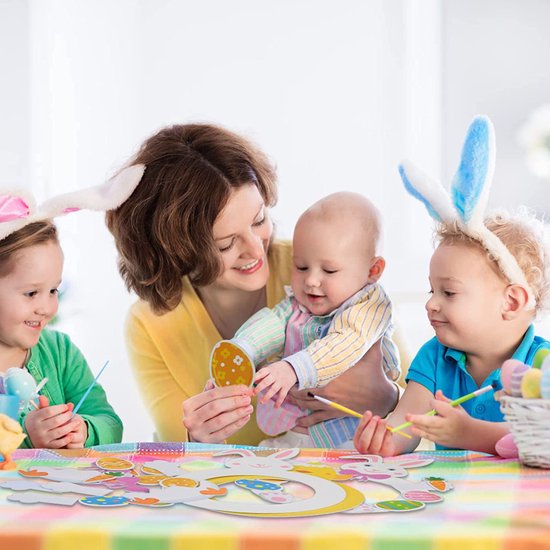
column 334, row 312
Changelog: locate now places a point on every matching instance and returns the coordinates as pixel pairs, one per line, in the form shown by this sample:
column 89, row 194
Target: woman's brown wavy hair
column 163, row 232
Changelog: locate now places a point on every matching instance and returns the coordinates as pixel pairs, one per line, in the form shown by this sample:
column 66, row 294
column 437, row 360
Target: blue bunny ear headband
column 18, row 207
column 468, row 198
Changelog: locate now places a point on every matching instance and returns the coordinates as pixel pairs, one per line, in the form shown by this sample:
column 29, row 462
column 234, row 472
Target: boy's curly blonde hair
column 527, row 240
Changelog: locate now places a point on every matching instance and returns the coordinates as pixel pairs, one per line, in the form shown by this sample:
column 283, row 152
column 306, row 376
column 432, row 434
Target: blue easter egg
column 545, row 365
column 545, row 384
column 19, row 382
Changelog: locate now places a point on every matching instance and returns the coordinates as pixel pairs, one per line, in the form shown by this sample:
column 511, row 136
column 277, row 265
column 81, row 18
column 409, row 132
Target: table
column 495, row 504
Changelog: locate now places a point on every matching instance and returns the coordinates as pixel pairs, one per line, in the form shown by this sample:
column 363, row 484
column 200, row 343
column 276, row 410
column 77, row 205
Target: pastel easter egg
column 545, row 364
column 539, row 358
column 530, row 384
column 545, row 384
column 19, row 382
column 506, row 447
column 516, row 378
column 508, row 367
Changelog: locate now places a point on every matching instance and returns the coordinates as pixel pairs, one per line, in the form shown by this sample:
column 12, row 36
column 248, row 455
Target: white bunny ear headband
column 468, row 200
column 18, row 208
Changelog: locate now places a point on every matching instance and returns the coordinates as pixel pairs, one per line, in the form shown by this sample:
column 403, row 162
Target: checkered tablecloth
column 495, row 504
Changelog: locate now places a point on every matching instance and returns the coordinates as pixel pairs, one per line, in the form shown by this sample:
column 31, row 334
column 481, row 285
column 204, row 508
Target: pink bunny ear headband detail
column 18, row 208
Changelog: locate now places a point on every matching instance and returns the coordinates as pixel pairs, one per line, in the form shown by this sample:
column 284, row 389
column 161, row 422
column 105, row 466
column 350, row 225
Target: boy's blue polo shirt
column 437, row 367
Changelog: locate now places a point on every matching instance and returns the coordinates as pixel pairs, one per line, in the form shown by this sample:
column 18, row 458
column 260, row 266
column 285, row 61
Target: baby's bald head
column 351, row 215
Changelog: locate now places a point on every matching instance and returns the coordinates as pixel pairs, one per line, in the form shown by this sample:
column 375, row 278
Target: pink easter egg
column 508, row 367
column 516, row 379
column 506, row 447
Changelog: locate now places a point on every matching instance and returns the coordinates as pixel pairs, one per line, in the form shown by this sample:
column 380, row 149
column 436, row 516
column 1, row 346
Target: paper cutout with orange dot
column 230, row 365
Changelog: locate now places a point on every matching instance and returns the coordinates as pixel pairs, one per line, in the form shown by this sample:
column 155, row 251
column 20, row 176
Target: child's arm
column 263, row 335
column 350, row 335
column 454, row 427
column 103, row 424
column 275, row 379
column 372, row 435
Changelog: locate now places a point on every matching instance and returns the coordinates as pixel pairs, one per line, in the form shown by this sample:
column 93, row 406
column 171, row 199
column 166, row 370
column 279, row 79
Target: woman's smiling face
column 242, row 232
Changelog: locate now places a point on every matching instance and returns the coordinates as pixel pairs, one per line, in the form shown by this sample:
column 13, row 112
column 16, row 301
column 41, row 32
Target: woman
column 195, row 244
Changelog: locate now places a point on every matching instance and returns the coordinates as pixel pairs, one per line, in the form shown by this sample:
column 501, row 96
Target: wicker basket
column 529, row 421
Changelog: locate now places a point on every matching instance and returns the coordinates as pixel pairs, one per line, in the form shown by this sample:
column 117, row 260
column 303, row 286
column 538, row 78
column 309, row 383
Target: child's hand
column 79, row 434
column 373, row 437
column 50, row 427
column 449, row 427
column 275, row 379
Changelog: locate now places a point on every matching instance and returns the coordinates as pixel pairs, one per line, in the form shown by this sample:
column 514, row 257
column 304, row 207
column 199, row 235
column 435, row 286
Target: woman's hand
column 364, row 386
column 217, row 413
column 51, row 427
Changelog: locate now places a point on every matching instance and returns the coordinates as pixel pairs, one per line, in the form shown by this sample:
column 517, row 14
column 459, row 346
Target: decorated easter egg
column 108, row 502
column 545, row 384
column 516, row 378
column 230, row 365
column 530, row 384
column 508, row 367
column 546, row 363
column 178, row 482
column 19, row 382
column 539, row 358
column 506, row 447
column 114, row 463
column 399, row 505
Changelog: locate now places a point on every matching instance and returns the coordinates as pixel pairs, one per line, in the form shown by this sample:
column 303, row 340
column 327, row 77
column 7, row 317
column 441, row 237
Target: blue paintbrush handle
column 79, row 404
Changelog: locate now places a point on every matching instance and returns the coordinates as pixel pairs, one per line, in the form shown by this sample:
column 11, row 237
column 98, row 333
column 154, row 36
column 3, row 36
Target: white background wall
column 335, row 92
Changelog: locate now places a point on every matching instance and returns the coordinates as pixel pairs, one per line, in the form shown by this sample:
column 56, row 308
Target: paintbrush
column 453, row 403
column 79, row 404
column 349, row 412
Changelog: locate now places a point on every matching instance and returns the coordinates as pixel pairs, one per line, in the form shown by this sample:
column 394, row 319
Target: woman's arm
column 175, row 397
column 364, row 386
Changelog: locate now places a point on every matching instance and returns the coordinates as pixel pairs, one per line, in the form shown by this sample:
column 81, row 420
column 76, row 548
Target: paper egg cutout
column 508, row 367
column 539, row 358
column 545, row 384
column 19, row 382
column 516, row 378
column 530, row 384
column 230, row 365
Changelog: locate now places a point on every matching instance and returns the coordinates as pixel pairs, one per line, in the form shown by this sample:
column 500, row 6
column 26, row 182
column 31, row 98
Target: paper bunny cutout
column 467, row 201
column 249, row 459
column 18, row 207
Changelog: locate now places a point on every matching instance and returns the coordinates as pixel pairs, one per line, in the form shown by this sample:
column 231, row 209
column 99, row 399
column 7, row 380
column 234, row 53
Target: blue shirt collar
column 520, row 354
